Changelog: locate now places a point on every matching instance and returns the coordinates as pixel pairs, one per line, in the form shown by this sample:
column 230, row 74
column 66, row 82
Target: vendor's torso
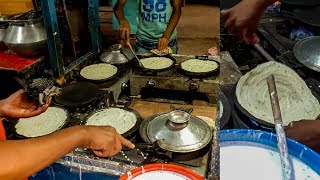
column 153, row 19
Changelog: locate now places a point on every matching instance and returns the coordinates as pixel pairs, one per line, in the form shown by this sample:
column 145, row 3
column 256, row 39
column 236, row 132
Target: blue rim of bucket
column 296, row 149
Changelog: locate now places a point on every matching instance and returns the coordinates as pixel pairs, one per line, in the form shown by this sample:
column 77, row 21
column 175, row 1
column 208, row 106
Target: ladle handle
column 286, row 165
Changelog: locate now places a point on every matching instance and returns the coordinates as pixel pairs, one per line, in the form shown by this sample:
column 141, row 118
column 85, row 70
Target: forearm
column 22, row 158
column 119, row 12
column 176, row 13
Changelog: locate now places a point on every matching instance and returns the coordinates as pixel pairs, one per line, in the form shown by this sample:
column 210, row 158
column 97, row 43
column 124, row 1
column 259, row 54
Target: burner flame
column 275, row 7
column 300, row 33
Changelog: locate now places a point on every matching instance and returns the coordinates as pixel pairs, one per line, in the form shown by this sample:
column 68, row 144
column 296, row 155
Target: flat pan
column 305, row 14
column 142, row 69
column 131, row 132
column 302, row 2
column 200, row 74
column 77, row 94
column 225, row 118
column 307, row 52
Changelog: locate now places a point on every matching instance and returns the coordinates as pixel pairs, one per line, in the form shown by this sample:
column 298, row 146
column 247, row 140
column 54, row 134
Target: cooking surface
column 13, row 62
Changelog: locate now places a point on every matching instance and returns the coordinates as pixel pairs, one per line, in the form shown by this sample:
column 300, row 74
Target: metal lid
column 177, row 131
column 114, row 55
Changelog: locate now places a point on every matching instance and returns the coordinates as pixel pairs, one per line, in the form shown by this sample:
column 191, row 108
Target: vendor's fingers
column 224, row 15
column 127, row 35
column 229, row 24
column 122, row 33
column 126, row 142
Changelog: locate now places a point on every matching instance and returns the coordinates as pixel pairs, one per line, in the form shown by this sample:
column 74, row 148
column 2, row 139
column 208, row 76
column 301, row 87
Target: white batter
column 156, row 62
column 49, row 121
column 199, row 66
column 98, row 71
column 160, row 175
column 255, row 162
column 118, row 118
column 295, row 98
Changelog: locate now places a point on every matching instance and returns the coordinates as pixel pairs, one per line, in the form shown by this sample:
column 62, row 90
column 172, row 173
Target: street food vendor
column 157, row 20
column 22, row 158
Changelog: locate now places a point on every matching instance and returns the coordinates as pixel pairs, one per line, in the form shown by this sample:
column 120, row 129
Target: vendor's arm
column 306, row 132
column 124, row 27
column 243, row 18
column 22, row 158
column 176, row 13
column 19, row 106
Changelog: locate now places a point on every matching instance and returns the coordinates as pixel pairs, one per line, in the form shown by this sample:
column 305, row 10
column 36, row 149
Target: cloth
column 2, row 131
column 153, row 19
column 130, row 12
column 144, row 47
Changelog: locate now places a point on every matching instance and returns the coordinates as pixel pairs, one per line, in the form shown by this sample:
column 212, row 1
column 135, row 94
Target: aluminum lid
column 179, row 136
column 114, row 55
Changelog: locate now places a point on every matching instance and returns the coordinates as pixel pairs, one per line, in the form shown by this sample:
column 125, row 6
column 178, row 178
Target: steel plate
column 307, row 52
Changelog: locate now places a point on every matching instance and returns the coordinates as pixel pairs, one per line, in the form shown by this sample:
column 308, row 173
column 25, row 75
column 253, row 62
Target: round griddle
column 102, row 80
column 151, row 71
column 305, row 14
column 77, row 94
column 225, row 118
column 307, row 52
column 250, row 120
column 302, row 2
column 19, row 136
column 131, row 132
column 199, row 74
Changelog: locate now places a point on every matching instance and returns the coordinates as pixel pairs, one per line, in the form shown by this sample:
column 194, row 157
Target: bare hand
column 105, row 141
column 163, row 44
column 243, row 20
column 124, row 31
column 19, row 106
column 306, row 132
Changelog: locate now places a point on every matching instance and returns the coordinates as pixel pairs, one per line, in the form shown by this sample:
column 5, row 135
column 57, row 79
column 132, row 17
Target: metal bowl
column 26, row 38
column 178, row 116
column 3, row 30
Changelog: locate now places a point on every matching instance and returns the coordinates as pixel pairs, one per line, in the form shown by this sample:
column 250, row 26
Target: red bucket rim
column 164, row 167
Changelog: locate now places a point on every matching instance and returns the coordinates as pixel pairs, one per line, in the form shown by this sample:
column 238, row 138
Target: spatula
column 128, row 43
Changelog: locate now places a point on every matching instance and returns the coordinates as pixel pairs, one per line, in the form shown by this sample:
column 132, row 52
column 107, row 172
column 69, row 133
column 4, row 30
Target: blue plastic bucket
column 269, row 141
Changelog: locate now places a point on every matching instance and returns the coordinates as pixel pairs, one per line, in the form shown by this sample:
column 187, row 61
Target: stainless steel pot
column 26, row 37
column 3, row 30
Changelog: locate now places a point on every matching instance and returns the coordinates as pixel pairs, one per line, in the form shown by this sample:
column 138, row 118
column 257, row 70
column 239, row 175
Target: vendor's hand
column 163, row 44
column 19, row 106
column 105, row 141
column 306, row 132
column 124, row 31
column 243, row 20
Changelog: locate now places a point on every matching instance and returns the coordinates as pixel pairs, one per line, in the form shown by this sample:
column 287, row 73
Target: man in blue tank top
column 157, row 20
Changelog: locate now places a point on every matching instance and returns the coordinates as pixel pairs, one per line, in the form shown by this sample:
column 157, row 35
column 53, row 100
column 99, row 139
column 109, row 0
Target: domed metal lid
column 114, row 55
column 177, row 131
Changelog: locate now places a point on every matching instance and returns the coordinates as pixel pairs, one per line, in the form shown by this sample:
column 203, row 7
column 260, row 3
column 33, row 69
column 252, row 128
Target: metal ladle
column 286, row 164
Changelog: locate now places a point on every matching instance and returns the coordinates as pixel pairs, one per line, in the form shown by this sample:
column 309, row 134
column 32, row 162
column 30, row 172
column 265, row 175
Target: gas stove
column 173, row 81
